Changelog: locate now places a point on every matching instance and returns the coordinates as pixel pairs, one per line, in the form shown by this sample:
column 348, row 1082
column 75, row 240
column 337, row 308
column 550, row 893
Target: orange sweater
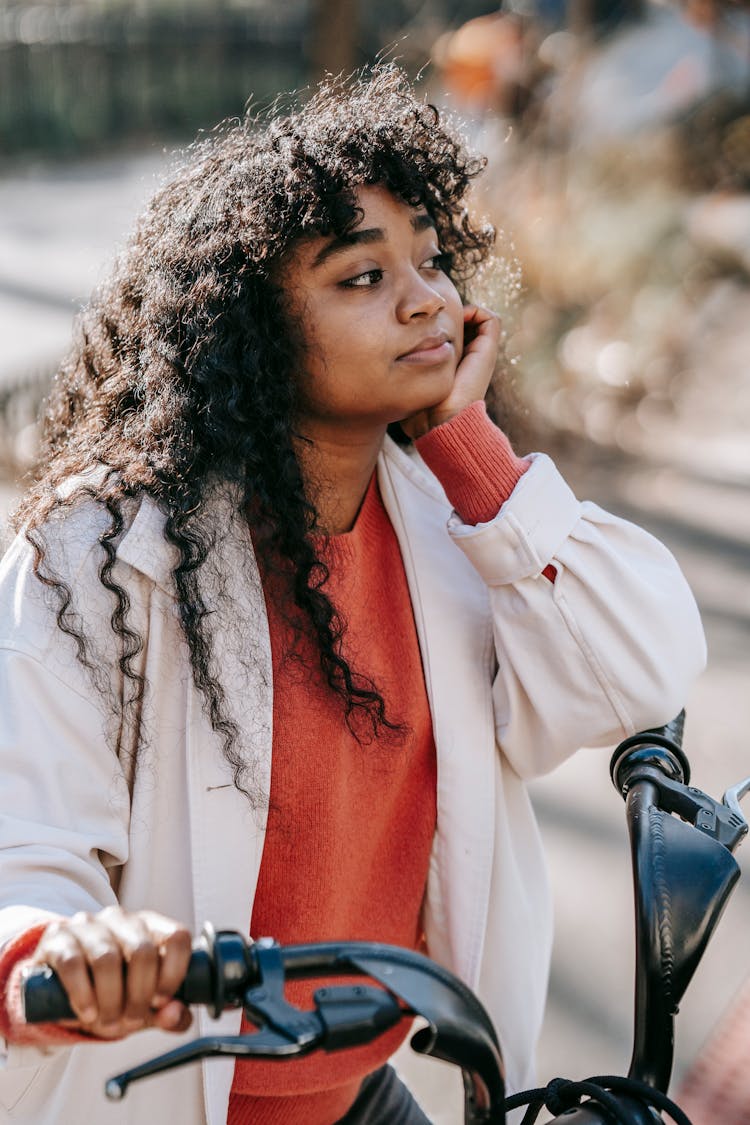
column 350, row 826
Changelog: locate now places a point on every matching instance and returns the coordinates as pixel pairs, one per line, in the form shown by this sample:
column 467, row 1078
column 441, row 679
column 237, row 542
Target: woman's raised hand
column 120, row 970
column 482, row 331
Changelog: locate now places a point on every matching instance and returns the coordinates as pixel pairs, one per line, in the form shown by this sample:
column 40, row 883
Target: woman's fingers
column 175, row 944
column 60, row 949
column 119, row 969
column 139, row 967
column 174, row 1016
column 482, row 335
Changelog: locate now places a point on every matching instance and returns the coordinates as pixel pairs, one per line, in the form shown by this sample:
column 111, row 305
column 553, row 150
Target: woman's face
column 382, row 320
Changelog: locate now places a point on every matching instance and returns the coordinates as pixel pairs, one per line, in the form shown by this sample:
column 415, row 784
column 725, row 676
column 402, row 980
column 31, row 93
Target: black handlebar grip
column 199, row 985
column 46, row 1001
column 44, row 998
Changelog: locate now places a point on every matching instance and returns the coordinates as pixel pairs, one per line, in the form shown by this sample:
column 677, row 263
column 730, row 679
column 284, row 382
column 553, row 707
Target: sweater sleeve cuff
column 14, row 958
column 474, row 462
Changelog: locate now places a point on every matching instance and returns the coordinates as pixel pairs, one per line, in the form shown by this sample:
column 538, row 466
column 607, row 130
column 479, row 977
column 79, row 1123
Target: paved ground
column 56, row 228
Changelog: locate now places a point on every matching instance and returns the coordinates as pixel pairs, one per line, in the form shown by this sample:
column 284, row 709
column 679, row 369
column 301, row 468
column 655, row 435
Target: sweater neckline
column 366, row 521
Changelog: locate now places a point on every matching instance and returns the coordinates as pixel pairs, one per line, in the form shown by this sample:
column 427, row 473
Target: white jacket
column 519, row 673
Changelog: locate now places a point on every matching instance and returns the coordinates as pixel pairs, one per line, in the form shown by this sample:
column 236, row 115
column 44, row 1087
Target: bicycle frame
column 681, row 843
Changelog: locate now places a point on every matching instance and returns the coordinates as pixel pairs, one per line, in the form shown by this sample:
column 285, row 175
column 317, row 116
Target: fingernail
column 88, row 1015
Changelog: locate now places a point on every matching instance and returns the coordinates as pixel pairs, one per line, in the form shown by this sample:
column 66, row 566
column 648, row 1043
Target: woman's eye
column 363, row 280
column 441, row 261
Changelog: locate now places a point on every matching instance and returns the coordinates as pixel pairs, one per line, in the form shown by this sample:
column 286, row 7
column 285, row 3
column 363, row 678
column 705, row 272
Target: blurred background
column 618, row 138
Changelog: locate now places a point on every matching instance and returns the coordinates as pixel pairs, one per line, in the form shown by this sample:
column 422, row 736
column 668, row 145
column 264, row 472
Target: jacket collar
column 144, row 547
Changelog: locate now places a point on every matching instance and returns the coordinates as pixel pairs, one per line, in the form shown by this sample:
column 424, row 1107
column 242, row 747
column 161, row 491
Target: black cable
column 560, row 1095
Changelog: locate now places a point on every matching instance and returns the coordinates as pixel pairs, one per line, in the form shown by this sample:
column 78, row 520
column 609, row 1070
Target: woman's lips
column 434, row 349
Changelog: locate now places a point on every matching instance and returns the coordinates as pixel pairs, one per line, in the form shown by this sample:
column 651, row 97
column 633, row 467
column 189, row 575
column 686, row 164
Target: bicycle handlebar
column 683, row 875
column 226, row 971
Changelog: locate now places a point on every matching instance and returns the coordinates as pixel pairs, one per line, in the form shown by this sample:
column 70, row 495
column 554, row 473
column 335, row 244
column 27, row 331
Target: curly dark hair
column 183, row 362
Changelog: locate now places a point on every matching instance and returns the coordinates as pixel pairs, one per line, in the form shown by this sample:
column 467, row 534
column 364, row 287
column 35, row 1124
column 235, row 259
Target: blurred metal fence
column 75, row 78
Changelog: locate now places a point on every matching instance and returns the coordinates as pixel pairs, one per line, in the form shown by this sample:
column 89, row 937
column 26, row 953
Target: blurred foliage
column 634, row 326
column 631, row 325
column 714, row 144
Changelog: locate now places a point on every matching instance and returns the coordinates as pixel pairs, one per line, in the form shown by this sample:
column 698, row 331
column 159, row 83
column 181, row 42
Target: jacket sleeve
column 64, row 801
column 610, row 647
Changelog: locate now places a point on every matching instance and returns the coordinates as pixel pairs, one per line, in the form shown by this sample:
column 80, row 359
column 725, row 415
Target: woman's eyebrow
column 422, row 221
column 366, row 237
column 356, row 238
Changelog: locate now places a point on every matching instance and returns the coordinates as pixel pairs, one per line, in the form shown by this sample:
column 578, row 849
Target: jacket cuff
column 474, row 462
column 529, row 531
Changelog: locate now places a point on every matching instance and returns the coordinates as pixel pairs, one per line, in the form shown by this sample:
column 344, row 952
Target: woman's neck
column 337, row 473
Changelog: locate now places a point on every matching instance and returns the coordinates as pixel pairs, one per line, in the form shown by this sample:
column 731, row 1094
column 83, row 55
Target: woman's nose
column 419, row 298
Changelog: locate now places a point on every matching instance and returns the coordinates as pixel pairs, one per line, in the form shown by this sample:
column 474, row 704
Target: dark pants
column 384, row 1100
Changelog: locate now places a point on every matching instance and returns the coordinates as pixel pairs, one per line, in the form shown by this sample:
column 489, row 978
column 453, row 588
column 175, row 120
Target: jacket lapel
column 226, row 832
column 451, row 612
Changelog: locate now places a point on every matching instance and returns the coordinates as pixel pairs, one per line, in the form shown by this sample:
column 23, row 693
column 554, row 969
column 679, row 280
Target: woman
column 265, row 665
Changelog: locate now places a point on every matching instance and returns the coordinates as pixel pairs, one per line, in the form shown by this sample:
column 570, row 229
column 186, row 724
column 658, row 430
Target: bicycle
column 682, row 842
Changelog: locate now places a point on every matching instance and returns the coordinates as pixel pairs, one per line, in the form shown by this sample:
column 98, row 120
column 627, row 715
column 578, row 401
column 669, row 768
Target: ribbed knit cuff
column 13, row 1027
column 474, row 462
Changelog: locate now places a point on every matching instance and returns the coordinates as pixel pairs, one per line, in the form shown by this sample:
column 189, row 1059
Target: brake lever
column 344, row 1016
column 732, row 798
